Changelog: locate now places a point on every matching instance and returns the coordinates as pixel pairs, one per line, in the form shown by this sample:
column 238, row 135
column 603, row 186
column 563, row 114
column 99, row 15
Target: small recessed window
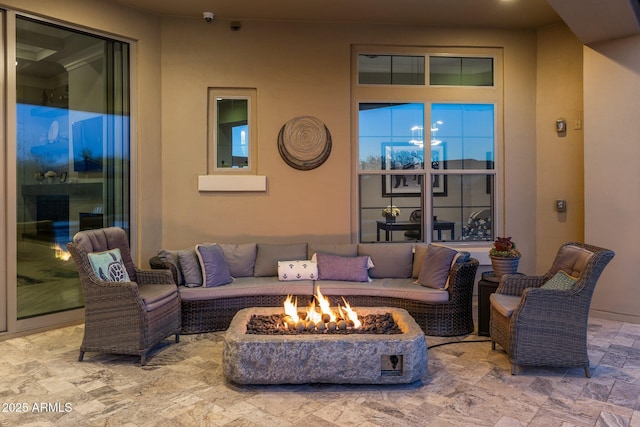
column 460, row 71
column 391, row 69
column 231, row 127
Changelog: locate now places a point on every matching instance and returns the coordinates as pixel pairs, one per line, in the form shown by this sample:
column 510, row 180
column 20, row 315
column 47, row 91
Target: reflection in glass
column 374, row 199
column 72, row 155
column 460, row 71
column 391, row 69
column 232, row 133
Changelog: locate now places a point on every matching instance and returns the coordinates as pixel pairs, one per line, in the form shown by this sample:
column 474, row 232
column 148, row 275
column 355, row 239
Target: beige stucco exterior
column 305, row 69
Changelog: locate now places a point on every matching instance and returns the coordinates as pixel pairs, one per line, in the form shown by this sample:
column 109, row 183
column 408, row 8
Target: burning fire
column 324, row 318
column 61, row 253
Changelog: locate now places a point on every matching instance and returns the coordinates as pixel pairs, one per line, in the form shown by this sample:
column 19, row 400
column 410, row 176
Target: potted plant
column 390, row 213
column 504, row 256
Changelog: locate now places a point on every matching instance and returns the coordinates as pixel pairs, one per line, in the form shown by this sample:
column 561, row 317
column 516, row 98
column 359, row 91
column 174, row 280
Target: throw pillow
column 297, row 270
column 269, row 254
column 241, row 258
column 560, row 281
column 214, row 267
column 350, row 269
column 108, row 266
column 190, row 266
column 436, row 266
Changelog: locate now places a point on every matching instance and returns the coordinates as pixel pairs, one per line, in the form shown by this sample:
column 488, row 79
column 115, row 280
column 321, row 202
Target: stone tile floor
column 467, row 384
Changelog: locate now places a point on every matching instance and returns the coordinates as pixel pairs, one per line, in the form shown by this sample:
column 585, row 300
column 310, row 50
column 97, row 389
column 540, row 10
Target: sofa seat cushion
column 392, row 288
column 154, row 296
column 249, row 286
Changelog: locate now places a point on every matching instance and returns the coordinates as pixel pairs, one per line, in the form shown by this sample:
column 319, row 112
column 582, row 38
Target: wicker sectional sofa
column 257, row 282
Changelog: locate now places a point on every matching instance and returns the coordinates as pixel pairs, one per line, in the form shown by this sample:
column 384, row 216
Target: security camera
column 208, row 16
column 235, row 26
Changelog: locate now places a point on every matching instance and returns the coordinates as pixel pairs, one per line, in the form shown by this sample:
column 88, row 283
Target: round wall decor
column 304, row 142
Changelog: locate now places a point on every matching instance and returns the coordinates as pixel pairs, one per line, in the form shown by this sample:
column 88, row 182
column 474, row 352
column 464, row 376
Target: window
column 442, row 180
column 460, row 71
column 231, row 119
column 391, row 69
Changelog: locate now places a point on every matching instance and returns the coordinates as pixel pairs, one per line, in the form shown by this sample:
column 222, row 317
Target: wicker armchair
column 548, row 327
column 123, row 317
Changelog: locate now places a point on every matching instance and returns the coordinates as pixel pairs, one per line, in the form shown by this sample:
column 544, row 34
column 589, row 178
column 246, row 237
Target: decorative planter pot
column 504, row 265
column 390, row 219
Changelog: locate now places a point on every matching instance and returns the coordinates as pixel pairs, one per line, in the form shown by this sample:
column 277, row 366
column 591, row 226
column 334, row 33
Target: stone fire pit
column 342, row 359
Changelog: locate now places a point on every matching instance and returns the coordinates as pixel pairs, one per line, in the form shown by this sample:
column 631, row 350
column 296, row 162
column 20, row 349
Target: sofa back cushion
column 346, row 249
column 241, row 258
column 268, row 255
column 390, row 260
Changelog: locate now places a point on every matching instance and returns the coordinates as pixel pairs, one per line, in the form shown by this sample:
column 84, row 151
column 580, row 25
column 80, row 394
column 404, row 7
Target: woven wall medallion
column 304, row 142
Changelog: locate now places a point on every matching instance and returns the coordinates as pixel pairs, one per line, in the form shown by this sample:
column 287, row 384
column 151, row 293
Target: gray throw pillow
column 214, row 267
column 190, row 266
column 241, row 258
column 269, row 254
column 436, row 266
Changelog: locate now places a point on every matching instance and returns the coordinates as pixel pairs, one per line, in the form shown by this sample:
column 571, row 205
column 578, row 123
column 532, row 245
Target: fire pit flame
column 325, row 318
column 351, row 315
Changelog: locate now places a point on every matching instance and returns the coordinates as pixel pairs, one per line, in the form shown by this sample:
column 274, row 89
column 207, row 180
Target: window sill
column 232, row 183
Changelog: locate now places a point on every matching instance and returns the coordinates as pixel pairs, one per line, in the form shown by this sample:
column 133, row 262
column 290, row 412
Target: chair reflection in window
column 478, row 226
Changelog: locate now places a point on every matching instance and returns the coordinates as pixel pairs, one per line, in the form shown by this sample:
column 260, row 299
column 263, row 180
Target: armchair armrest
column 154, row 277
column 158, row 263
column 515, row 284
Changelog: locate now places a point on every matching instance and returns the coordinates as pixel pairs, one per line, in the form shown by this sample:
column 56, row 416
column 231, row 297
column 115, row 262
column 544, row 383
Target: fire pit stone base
column 341, row 359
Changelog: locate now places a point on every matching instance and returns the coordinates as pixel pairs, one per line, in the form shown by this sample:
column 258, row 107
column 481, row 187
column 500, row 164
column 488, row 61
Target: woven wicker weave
column 454, row 317
column 116, row 319
column 549, row 327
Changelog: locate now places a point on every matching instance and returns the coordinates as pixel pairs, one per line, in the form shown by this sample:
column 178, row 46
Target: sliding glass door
column 72, row 155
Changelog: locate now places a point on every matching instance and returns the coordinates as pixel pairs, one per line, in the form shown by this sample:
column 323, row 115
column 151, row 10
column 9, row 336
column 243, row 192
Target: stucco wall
column 304, row 69
column 612, row 155
column 560, row 172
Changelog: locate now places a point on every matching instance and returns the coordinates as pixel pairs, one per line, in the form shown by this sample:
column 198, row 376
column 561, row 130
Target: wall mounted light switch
column 561, row 205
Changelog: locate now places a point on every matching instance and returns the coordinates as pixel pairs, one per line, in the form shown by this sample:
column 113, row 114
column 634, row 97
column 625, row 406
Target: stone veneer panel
column 327, row 358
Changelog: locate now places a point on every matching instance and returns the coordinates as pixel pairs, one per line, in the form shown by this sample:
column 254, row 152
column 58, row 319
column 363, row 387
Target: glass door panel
column 72, row 155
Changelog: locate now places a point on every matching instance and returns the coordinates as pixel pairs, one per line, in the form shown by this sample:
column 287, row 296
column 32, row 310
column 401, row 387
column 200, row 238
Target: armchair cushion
column 504, row 304
column 154, row 296
column 108, row 265
column 215, row 270
column 560, row 281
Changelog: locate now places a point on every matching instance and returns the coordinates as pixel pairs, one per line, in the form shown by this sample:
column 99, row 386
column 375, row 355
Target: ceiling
column 505, row 14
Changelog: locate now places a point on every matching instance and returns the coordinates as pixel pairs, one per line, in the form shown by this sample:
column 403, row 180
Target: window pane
column 391, row 136
column 232, row 133
column 464, row 135
column 72, row 151
column 378, row 192
column 460, row 71
column 469, row 205
column 391, row 69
